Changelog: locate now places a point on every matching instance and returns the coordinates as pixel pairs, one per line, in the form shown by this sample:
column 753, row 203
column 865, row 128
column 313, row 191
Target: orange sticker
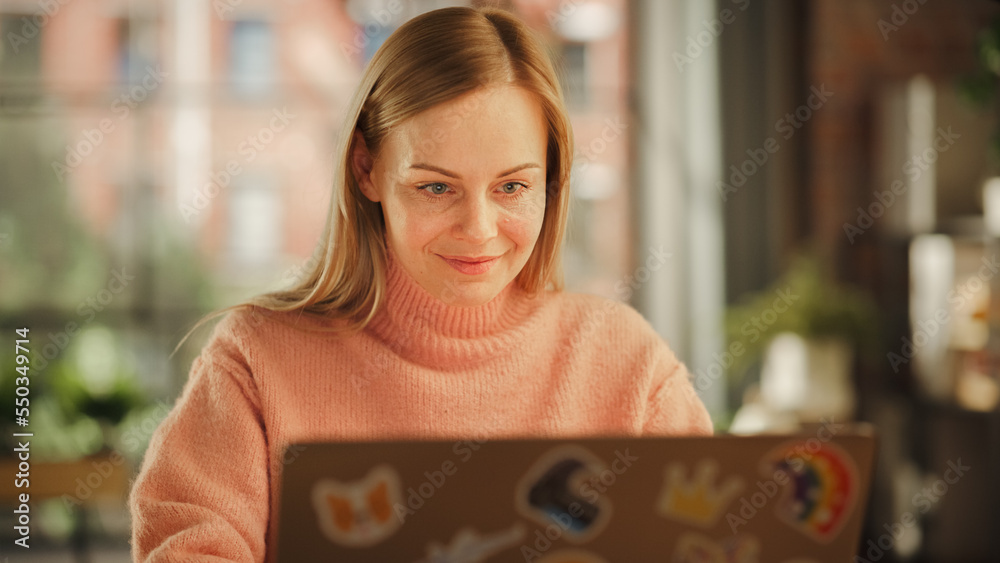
column 358, row 513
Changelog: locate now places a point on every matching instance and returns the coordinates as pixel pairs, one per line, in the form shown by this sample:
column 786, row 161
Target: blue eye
column 434, row 188
column 510, row 190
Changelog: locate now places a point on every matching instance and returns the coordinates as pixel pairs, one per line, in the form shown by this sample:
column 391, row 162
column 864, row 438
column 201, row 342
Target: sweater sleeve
column 674, row 408
column 202, row 492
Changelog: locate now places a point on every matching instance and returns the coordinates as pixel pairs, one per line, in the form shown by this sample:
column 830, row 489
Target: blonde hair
column 431, row 59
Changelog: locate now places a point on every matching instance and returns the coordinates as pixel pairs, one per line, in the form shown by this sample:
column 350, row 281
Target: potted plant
column 803, row 331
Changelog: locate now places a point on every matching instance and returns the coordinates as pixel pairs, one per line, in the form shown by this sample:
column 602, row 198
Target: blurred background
column 802, row 197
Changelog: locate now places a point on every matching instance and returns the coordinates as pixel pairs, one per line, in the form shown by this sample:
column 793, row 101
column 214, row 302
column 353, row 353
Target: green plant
column 72, row 412
column 801, row 301
column 980, row 86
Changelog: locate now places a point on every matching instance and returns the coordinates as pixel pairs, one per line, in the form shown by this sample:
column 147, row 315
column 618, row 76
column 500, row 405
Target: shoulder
column 254, row 336
column 600, row 316
column 239, row 331
column 248, row 326
column 228, row 342
column 608, row 329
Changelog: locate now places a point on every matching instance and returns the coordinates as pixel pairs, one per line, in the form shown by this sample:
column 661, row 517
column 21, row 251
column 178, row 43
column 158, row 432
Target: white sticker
column 358, row 513
column 469, row 546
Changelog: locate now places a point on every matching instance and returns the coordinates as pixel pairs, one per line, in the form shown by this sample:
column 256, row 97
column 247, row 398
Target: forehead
column 486, row 127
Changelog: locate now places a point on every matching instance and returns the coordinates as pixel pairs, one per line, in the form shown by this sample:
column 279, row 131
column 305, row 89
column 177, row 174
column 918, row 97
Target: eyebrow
column 450, row 174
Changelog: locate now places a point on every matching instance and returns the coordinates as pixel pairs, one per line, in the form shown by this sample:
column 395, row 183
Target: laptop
column 729, row 499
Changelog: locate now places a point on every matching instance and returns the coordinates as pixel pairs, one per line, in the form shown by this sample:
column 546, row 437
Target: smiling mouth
column 469, row 259
column 470, row 265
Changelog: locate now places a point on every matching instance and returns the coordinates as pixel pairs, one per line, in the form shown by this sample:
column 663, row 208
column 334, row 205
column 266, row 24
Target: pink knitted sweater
column 557, row 365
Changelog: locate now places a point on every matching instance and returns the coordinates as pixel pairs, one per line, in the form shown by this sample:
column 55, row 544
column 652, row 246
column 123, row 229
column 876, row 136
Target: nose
column 478, row 219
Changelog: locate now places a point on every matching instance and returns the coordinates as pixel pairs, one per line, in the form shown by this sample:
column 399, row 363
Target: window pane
column 251, row 59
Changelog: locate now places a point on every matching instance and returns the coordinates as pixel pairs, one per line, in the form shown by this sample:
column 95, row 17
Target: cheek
column 523, row 224
column 411, row 225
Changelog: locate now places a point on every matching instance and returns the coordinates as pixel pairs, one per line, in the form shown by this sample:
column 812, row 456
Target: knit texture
column 556, row 365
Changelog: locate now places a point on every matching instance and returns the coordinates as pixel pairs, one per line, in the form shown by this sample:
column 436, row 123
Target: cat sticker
column 554, row 493
column 358, row 513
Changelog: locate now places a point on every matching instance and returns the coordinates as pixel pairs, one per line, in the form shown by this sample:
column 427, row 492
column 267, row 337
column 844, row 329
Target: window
column 574, row 75
column 20, row 49
column 254, row 235
column 251, row 58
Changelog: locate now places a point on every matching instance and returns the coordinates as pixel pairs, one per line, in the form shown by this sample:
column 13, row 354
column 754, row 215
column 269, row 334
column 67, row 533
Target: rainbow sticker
column 820, row 483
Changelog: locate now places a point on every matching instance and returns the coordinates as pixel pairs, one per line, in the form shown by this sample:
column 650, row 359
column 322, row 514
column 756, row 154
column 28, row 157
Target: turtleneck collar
column 422, row 327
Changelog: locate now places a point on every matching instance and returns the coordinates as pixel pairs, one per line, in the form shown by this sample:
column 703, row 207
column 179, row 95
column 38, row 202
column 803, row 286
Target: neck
column 417, row 323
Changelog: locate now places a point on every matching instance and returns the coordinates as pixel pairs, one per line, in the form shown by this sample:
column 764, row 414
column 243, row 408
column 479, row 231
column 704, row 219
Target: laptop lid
column 781, row 499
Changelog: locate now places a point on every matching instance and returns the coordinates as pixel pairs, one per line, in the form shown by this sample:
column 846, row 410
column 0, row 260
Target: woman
column 436, row 311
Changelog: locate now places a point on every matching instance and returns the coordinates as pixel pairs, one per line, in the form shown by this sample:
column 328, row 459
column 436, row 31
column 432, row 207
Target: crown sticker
column 698, row 501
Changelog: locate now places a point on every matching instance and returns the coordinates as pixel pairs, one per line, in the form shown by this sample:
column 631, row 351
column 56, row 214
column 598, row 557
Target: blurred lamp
column 991, row 205
column 587, row 21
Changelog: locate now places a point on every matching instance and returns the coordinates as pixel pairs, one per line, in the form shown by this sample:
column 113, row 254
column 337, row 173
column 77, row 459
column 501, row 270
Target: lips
column 470, row 259
column 471, row 265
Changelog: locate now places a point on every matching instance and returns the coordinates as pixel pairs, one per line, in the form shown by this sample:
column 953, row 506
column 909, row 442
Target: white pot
column 810, row 377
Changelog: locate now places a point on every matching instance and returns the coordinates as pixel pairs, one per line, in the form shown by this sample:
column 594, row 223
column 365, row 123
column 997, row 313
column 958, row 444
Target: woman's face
column 462, row 188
